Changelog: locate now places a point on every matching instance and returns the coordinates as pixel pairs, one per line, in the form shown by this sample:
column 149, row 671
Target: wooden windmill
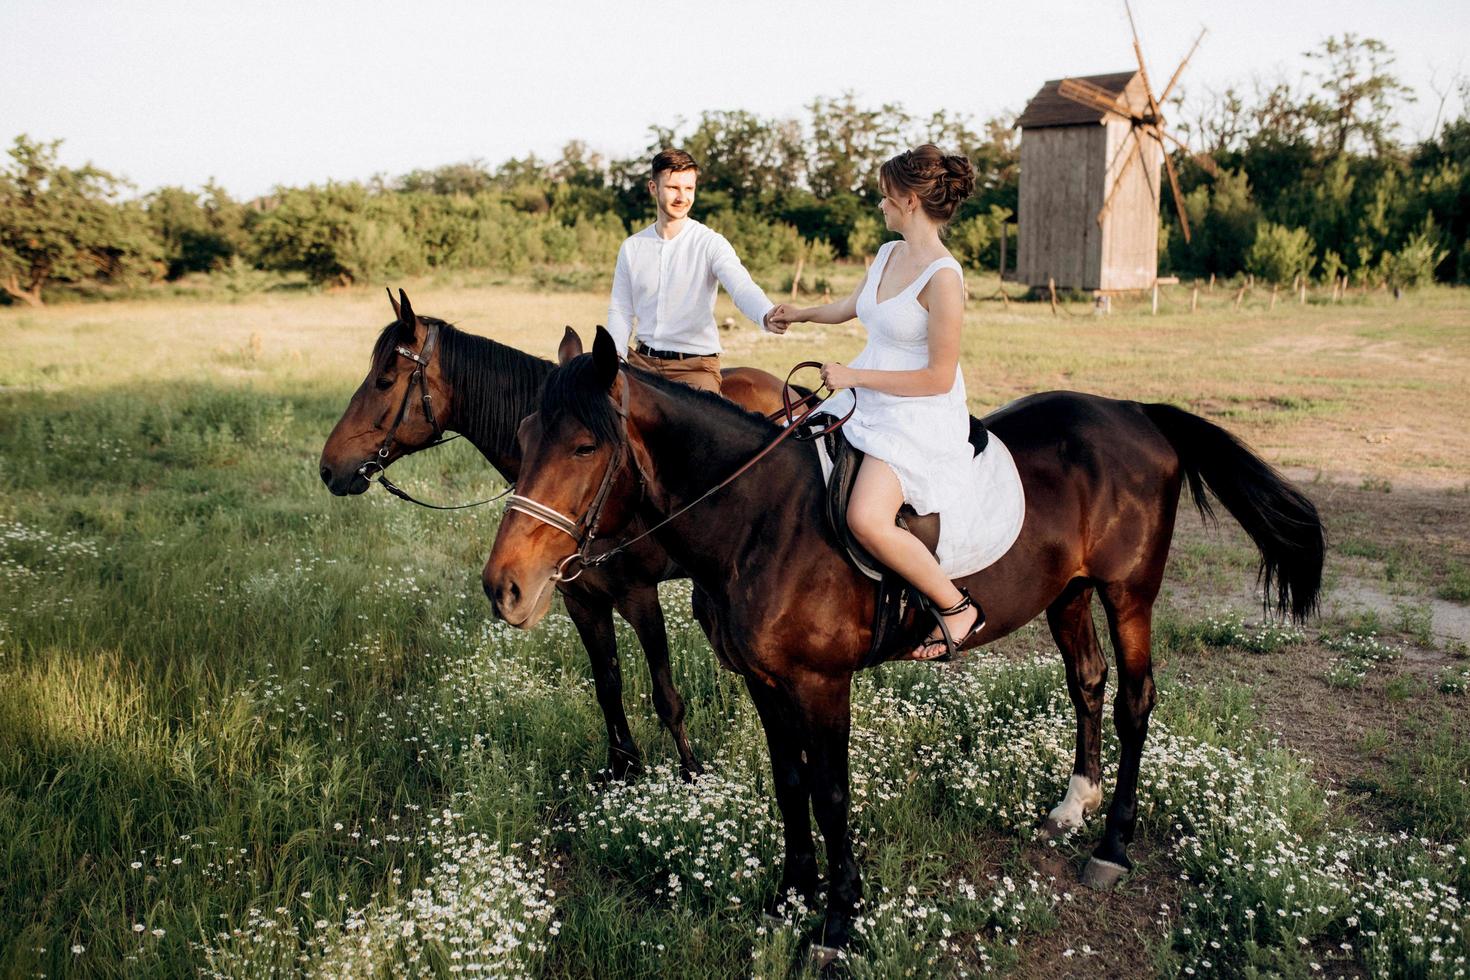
column 1091, row 148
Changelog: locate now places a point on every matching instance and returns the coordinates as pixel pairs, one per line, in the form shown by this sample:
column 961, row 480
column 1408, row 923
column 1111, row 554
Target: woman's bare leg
column 876, row 497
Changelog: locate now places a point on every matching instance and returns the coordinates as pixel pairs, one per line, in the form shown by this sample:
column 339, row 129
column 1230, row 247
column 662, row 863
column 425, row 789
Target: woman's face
column 896, row 208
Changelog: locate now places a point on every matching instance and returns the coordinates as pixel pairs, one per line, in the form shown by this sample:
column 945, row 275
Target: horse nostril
column 503, row 597
column 327, row 475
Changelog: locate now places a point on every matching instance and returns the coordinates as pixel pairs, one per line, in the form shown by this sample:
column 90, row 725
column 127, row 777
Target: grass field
column 247, row 728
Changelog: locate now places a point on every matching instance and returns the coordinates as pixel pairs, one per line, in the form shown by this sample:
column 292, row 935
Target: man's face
column 673, row 193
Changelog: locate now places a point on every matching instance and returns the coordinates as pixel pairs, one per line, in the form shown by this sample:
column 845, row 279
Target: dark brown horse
column 782, row 607
column 482, row 389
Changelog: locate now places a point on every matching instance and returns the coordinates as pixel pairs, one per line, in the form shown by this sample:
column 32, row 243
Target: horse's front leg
column 641, row 609
column 592, row 615
column 783, row 741
column 825, row 703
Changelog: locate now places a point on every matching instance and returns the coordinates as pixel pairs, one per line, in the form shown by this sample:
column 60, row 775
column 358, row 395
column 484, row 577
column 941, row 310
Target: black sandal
column 951, row 646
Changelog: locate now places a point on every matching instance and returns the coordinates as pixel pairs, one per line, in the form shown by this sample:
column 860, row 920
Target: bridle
column 375, row 466
column 583, row 530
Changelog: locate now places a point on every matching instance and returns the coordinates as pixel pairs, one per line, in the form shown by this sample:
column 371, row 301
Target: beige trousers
column 696, row 372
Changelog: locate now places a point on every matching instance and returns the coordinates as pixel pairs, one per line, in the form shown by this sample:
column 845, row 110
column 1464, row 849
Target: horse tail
column 1279, row 518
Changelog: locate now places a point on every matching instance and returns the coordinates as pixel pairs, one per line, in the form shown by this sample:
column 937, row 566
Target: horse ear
column 570, row 347
column 407, row 320
column 397, row 313
column 605, row 357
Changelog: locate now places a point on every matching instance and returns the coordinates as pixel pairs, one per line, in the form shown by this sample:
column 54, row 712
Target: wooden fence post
column 796, row 276
column 1194, row 297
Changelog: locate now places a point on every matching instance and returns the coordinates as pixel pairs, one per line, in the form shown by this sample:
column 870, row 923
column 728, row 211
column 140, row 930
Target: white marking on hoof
column 1101, row 875
column 1083, row 797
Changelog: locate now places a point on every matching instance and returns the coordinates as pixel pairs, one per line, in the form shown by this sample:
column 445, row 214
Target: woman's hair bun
column 940, row 180
column 959, row 176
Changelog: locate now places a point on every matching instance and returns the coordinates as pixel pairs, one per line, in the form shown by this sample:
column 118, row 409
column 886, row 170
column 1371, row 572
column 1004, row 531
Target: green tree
column 850, row 142
column 198, row 232
column 63, row 224
column 1224, row 216
column 1361, row 95
column 743, row 157
column 1414, row 263
column 471, row 177
column 1279, row 254
column 338, row 233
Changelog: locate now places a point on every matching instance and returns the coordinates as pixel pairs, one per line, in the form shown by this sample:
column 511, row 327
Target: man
column 665, row 280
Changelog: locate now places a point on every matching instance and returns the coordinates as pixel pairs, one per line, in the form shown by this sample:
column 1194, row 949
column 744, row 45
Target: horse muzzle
column 520, row 606
column 344, row 481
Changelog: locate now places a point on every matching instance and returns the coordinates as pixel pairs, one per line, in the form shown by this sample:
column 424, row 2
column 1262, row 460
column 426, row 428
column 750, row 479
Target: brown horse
column 781, row 606
column 482, row 389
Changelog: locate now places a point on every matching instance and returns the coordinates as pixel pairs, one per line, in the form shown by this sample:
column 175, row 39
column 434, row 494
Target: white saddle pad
column 1000, row 509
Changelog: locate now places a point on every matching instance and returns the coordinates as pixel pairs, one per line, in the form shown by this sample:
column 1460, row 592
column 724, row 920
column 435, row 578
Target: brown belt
column 665, row 355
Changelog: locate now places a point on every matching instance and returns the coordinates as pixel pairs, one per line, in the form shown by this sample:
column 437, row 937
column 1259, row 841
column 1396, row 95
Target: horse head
column 400, row 407
column 581, row 469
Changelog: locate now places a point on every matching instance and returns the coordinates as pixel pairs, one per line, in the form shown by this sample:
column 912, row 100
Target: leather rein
column 584, row 529
column 376, row 466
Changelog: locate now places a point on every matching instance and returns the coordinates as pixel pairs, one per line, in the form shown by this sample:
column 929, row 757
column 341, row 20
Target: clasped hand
column 782, row 315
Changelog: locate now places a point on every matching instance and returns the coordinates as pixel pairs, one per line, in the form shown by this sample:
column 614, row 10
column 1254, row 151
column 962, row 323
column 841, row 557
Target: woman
column 912, row 420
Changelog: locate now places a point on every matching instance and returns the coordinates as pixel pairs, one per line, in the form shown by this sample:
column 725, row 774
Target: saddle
column 897, row 625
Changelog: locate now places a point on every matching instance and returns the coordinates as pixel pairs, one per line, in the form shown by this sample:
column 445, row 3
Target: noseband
column 584, row 530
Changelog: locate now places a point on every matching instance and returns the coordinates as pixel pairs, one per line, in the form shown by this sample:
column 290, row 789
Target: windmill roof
column 1048, row 107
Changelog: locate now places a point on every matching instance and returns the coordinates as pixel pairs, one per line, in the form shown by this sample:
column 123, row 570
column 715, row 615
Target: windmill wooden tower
column 1089, row 199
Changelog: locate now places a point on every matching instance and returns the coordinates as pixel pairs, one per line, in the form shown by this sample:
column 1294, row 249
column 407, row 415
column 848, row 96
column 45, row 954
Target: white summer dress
column 924, row 438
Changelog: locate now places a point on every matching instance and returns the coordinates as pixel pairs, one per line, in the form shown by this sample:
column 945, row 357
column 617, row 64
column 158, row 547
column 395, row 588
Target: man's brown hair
column 673, row 161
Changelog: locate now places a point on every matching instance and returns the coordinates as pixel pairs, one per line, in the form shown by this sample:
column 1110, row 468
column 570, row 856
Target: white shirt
column 669, row 286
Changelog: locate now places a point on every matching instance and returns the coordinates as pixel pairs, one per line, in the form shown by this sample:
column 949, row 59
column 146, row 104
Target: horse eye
column 586, row 450
column 383, row 384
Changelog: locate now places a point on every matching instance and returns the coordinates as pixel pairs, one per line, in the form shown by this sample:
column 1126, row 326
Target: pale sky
column 256, row 93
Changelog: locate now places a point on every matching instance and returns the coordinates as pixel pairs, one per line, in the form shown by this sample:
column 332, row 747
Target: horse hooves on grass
column 1101, row 875
column 823, row 956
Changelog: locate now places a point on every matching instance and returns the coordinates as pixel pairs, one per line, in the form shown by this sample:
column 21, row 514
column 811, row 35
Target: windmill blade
column 1094, row 96
column 1178, row 196
column 1206, row 162
column 1137, row 154
column 1123, row 147
column 1153, row 103
column 1180, row 70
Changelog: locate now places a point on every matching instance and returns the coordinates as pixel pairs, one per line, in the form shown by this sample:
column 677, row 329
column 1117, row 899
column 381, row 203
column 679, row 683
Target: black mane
column 494, row 385
column 574, row 389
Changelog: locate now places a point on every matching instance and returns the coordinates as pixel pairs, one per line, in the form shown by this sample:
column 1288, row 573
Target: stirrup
column 951, row 646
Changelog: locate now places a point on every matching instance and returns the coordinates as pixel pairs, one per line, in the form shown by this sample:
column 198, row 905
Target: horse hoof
column 1102, row 876
column 823, row 956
